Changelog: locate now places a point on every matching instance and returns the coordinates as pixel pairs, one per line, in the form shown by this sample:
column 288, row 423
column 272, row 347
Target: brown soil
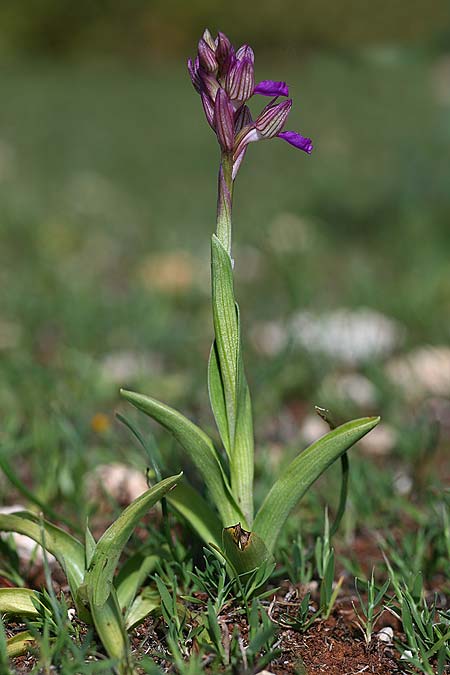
column 331, row 647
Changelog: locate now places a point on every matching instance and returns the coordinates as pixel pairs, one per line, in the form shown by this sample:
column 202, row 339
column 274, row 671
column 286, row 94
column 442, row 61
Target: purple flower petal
column 297, row 140
column 272, row 88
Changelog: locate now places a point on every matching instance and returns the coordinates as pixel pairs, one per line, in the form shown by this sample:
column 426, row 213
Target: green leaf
column 301, row 474
column 246, row 551
column 107, row 552
column 217, row 398
column 19, row 601
column 89, row 545
column 233, row 405
column 19, row 644
column 225, row 328
column 144, row 604
column 67, row 550
column 131, row 577
column 110, row 626
column 198, row 446
column 200, row 516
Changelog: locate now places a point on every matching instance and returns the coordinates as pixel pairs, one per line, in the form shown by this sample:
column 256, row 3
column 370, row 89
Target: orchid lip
column 272, row 88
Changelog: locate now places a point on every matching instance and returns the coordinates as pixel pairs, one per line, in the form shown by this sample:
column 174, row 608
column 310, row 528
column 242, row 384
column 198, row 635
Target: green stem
column 224, row 201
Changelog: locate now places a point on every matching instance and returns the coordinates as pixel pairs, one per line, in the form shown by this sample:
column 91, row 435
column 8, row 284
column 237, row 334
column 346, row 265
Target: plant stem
column 224, row 201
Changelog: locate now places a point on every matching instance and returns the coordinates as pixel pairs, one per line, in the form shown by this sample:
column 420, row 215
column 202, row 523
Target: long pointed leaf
column 19, row 601
column 217, row 398
column 235, row 396
column 225, row 328
column 198, row 446
column 200, row 516
column 301, row 474
column 107, row 552
column 67, row 550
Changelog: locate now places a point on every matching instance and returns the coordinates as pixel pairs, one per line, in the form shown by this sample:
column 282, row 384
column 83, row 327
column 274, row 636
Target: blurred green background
column 107, row 202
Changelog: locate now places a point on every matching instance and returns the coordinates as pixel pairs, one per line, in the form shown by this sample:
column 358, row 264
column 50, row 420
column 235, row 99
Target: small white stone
column 386, row 635
column 381, row 440
column 425, row 370
column 71, row 613
column 27, row 548
column 349, row 336
column 407, row 654
column 269, row 337
column 312, row 428
column 123, row 483
column 403, row 484
column 352, row 387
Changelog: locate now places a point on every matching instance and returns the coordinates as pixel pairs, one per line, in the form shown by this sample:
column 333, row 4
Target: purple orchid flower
column 225, row 80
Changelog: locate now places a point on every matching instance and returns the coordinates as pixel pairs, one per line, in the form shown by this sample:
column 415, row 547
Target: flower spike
column 225, row 80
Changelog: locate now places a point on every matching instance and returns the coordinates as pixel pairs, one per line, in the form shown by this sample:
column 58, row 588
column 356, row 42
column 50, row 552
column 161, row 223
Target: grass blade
column 301, row 474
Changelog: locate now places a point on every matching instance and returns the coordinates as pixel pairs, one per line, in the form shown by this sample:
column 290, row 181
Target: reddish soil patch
column 330, row 647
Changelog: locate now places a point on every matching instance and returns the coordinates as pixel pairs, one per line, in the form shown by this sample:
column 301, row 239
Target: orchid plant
column 225, row 80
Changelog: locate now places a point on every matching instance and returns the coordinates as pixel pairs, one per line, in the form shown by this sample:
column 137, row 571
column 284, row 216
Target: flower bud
column 272, row 119
column 245, row 52
column 193, row 67
column 241, row 80
column 208, row 108
column 206, row 57
column 208, row 38
column 223, row 49
column 242, row 118
column 208, row 84
column 224, row 120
